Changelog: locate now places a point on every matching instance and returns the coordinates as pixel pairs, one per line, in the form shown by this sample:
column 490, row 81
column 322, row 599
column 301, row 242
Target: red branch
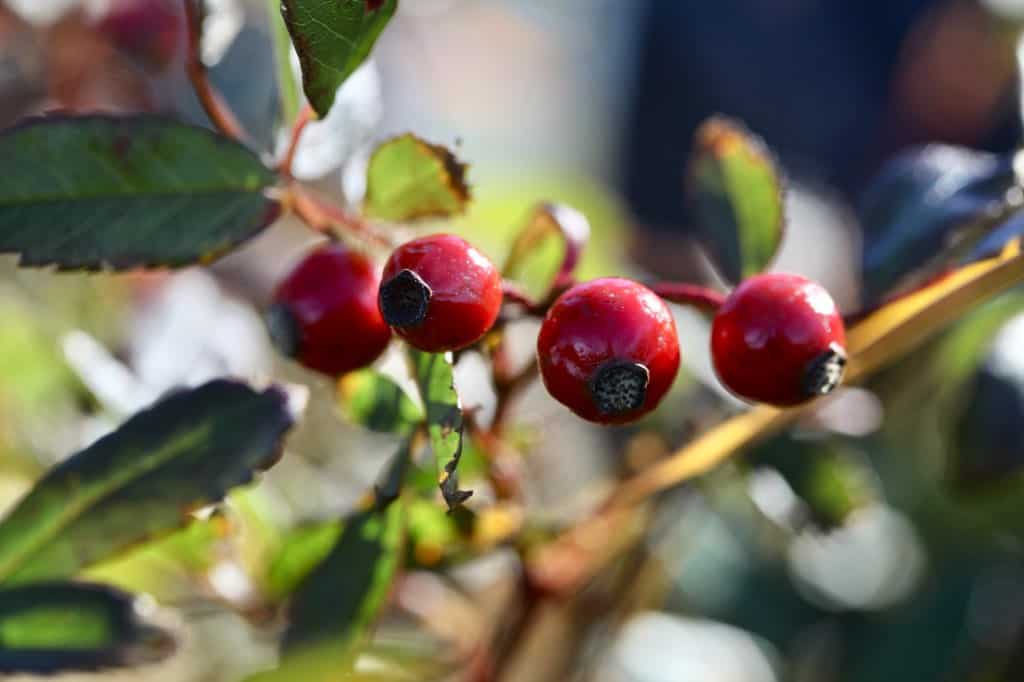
column 211, row 100
column 301, row 121
column 694, row 295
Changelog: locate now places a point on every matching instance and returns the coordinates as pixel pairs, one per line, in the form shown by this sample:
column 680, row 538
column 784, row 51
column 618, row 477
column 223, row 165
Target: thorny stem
column 213, row 103
column 305, row 116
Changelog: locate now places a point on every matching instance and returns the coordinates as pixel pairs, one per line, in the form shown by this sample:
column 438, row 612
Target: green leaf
column 58, row 627
column 528, row 259
column 287, row 88
column 340, row 600
column 122, row 192
column 436, row 381
column 370, row 399
column 736, row 193
column 142, row 480
column 301, row 550
column 410, row 179
column 332, row 38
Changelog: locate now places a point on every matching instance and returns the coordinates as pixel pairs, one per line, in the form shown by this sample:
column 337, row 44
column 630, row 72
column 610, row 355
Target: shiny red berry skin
column 608, row 350
column 324, row 313
column 779, row 339
column 439, row 293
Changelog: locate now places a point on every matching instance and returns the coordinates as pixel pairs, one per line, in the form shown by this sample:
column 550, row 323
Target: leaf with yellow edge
column 410, row 179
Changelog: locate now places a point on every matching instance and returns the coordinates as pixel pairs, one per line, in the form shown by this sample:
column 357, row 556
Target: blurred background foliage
column 879, row 539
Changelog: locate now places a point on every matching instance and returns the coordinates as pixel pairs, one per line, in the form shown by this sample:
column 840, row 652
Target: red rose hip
column 439, row 293
column 608, row 350
column 779, row 339
column 324, row 313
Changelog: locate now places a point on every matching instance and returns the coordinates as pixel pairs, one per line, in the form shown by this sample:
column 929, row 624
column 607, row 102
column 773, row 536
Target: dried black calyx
column 620, row 387
column 284, row 329
column 404, row 299
column 825, row 372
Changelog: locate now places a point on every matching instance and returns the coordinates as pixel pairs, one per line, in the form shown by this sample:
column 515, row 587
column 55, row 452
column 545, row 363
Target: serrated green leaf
column 410, row 179
column 142, row 480
column 122, row 192
column 736, row 193
column 58, row 627
column 332, row 38
column 370, row 399
column 339, row 601
column 436, row 380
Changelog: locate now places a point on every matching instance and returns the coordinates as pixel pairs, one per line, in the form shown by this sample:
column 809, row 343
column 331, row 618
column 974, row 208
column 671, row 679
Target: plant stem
column 302, row 120
column 512, row 293
column 323, row 216
column 703, row 298
column 213, row 103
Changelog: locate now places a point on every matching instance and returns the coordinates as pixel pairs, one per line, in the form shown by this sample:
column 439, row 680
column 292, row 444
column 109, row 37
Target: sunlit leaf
column 370, row 399
column 332, row 38
column 548, row 222
column 435, row 377
column 51, row 628
column 122, row 192
column 736, row 194
column 410, row 179
column 301, row 550
column 181, row 454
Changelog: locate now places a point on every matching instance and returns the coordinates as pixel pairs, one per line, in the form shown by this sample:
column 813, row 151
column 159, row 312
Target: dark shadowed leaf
column 410, row 179
column 340, row 600
column 436, row 380
column 989, row 449
column 736, row 195
column 927, row 209
column 57, row 627
column 332, row 38
column 373, row 400
column 142, row 480
column 106, row 192
column 548, row 222
column 987, row 445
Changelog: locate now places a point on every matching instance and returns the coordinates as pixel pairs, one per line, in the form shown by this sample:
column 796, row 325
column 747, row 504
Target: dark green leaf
column 389, row 487
column 302, row 549
column 332, row 38
column 183, row 453
column 436, row 380
column 832, row 481
column 57, row 627
column 409, row 179
column 340, row 600
column 564, row 223
column 373, row 400
column 107, row 192
column 988, row 445
column 736, row 194
column 925, row 209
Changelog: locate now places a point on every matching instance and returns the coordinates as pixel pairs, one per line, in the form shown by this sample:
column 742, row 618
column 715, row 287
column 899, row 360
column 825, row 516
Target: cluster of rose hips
column 607, row 348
